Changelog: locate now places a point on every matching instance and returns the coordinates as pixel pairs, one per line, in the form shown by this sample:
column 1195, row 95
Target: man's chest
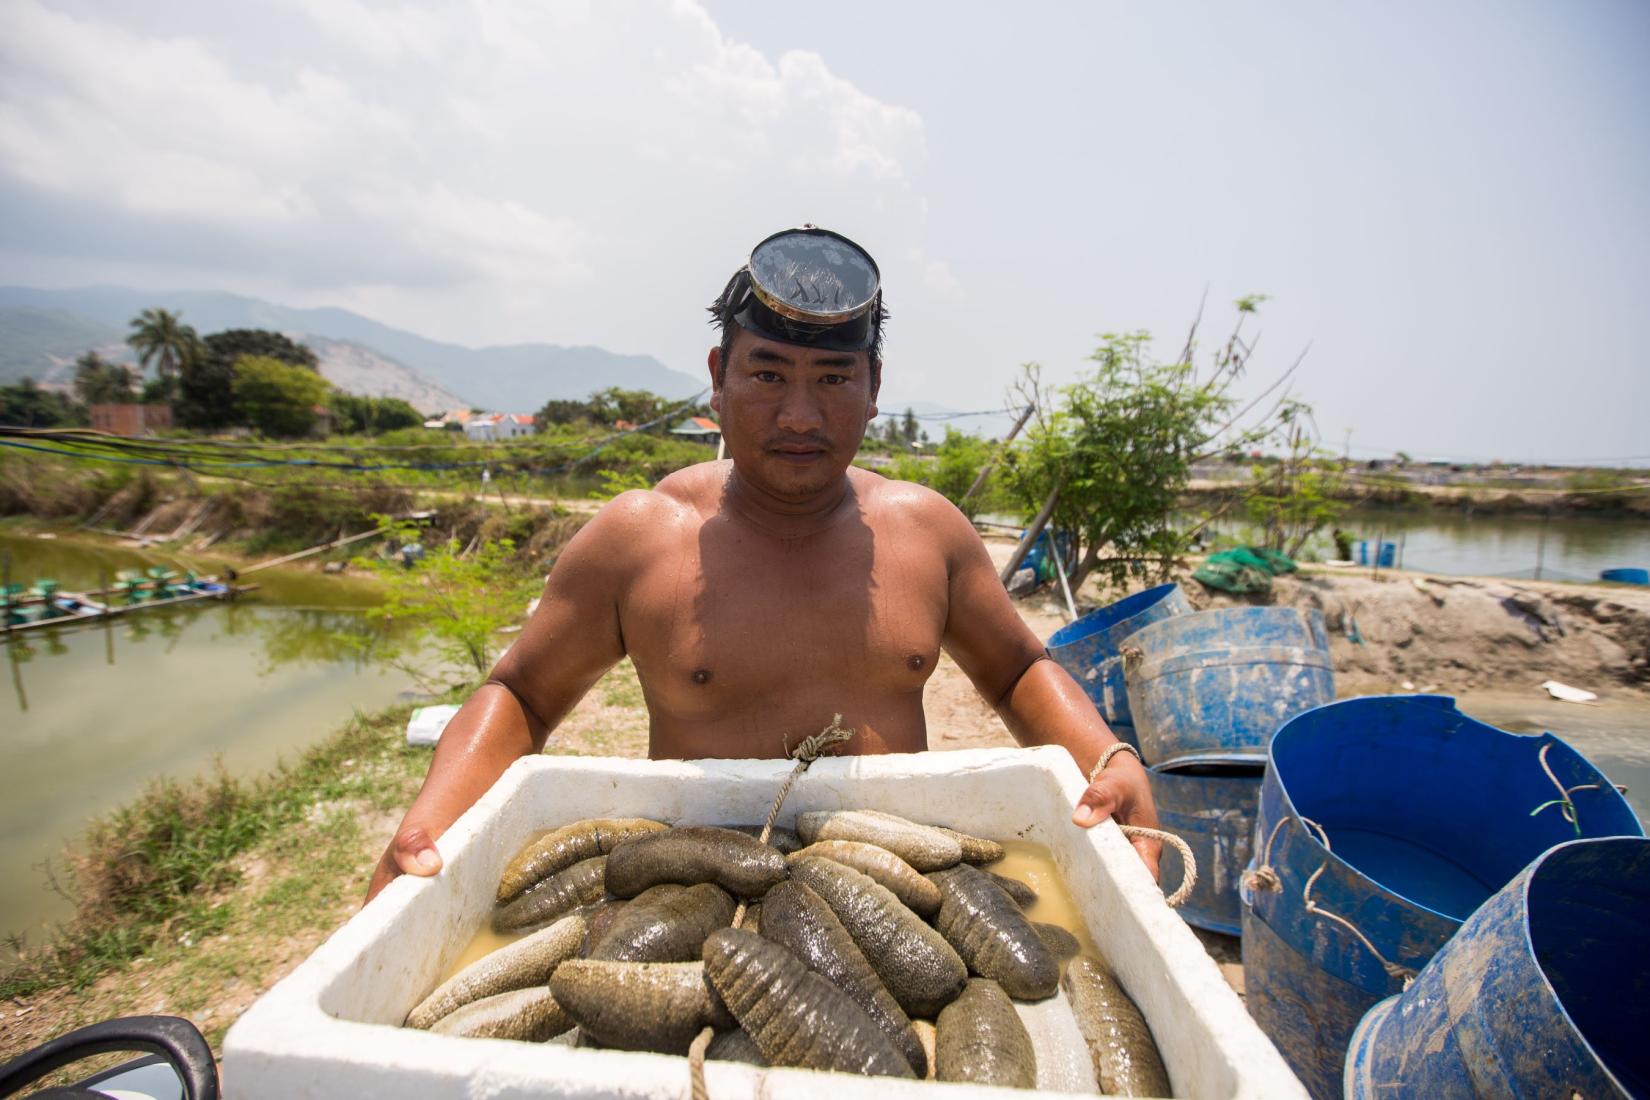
column 730, row 617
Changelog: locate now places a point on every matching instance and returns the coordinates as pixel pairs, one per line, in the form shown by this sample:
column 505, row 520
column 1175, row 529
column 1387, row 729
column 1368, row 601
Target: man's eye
column 834, row 379
column 767, row 376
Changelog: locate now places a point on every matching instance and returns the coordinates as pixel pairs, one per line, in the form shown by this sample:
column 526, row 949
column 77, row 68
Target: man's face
column 792, row 416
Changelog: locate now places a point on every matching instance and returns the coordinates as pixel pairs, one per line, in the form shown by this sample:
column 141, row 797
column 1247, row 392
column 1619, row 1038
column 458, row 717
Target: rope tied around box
column 806, row 752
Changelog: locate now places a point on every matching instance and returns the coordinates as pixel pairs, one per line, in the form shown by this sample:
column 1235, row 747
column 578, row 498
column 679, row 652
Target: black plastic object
column 172, row 1037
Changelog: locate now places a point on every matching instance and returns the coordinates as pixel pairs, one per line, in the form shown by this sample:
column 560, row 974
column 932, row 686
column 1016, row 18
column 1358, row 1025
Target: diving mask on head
column 809, row 286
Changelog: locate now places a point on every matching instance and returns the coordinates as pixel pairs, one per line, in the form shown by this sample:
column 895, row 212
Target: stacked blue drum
column 1384, row 823
column 1206, row 691
column 1089, row 649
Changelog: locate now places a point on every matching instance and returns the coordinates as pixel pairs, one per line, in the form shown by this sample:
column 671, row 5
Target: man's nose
column 799, row 410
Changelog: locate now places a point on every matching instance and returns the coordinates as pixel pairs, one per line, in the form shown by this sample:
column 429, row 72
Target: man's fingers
column 1097, row 803
column 415, row 852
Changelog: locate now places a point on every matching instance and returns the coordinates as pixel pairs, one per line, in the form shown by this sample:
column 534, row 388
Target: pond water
column 1567, row 548
column 1574, row 548
column 91, row 714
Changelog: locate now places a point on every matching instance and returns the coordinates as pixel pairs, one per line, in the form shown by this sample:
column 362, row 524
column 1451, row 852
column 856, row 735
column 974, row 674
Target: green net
column 1245, row 570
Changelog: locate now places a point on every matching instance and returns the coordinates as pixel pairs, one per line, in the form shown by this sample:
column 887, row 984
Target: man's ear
column 714, row 361
column 876, row 387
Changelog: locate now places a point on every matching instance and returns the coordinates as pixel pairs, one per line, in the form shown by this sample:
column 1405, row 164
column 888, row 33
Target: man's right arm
column 570, row 641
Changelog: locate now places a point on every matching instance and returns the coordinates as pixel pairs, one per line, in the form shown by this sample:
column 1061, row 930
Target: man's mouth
column 800, row 450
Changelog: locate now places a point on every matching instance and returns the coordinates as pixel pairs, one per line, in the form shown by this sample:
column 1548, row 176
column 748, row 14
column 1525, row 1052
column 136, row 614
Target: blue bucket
column 1087, row 649
column 1626, row 576
column 1383, row 823
column 1544, row 991
column 1213, row 684
column 1211, row 806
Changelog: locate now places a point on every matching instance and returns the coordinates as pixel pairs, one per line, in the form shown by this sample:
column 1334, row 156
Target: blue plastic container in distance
column 1426, row 813
column 1213, row 684
column 1088, row 649
column 1211, row 806
column 1626, row 576
column 1387, row 554
column 1544, row 991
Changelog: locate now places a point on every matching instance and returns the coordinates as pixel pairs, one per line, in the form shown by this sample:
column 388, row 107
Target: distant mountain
column 357, row 369
column 42, row 344
column 517, row 378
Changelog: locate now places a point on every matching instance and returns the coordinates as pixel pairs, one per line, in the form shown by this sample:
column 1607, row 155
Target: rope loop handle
column 1393, row 970
column 1188, row 862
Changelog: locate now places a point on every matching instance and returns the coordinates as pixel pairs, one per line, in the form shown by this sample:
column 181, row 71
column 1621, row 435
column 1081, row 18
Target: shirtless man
column 760, row 595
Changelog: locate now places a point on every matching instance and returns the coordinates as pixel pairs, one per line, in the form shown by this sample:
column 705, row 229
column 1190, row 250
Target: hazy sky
column 1449, row 201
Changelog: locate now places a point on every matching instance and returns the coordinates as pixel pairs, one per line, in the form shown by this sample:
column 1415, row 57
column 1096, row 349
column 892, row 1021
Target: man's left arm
column 1036, row 699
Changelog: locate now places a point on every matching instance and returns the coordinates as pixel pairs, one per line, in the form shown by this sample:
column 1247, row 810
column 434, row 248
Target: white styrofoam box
column 330, row 1029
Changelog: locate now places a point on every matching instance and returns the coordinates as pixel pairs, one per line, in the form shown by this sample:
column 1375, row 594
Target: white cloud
column 485, row 171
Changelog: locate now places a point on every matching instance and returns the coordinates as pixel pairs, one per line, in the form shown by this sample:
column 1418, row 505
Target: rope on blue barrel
column 1393, row 970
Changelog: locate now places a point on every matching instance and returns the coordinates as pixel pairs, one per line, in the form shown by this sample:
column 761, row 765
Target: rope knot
column 1261, row 878
column 809, row 748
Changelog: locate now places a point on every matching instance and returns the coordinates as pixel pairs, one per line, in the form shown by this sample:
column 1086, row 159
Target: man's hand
column 411, row 852
column 1122, row 791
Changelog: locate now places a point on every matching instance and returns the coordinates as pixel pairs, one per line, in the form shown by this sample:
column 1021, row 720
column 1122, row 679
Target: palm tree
column 162, row 338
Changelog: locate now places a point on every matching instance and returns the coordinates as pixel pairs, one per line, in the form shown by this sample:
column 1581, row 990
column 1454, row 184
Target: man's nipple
column 914, row 662
column 701, row 675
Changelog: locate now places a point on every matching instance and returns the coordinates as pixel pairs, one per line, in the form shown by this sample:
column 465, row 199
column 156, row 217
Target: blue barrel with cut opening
column 1214, row 684
column 1088, row 648
column 1383, row 823
column 1626, row 576
column 1544, row 991
column 1211, row 806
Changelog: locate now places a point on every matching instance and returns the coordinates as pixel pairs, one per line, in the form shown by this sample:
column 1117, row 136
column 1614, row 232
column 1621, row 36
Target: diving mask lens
column 814, row 276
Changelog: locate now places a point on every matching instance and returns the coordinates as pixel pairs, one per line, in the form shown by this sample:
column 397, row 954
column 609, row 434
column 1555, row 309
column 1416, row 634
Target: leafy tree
column 206, row 396
column 278, row 398
column 908, row 427
column 451, row 603
column 951, row 471
column 636, row 406
column 1119, row 445
column 99, row 382
column 26, row 405
column 163, row 339
column 373, row 415
column 1293, row 499
column 560, row 411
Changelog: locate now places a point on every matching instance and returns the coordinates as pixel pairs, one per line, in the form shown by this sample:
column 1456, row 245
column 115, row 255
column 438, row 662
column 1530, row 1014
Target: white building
column 494, row 426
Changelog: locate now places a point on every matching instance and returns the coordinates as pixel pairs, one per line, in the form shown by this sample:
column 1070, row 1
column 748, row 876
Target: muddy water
column 1031, row 863
column 92, row 713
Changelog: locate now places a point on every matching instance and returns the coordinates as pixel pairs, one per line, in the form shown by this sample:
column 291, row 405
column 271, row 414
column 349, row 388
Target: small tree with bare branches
column 1115, row 449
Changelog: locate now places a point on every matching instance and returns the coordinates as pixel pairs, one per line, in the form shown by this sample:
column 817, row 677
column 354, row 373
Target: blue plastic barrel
column 1388, row 553
column 1212, row 807
column 1544, row 991
column 1212, row 684
column 1087, row 649
column 1383, row 823
column 1626, row 576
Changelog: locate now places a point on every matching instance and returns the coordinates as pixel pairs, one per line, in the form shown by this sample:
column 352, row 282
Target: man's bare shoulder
column 908, row 503
column 642, row 517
